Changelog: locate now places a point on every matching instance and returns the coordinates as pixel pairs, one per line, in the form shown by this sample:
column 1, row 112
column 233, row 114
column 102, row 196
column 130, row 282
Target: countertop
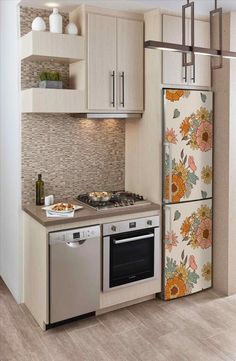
column 87, row 213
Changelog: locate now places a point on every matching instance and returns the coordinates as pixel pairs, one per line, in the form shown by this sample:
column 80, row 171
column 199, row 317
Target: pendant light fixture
column 192, row 49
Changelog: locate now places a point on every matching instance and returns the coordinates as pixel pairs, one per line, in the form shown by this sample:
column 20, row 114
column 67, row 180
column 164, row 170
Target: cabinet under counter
column 37, row 228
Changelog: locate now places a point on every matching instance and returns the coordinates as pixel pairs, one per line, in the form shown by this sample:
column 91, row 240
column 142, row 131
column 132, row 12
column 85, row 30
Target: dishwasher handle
column 76, row 244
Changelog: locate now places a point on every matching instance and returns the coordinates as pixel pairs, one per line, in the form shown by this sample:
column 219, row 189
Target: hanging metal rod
column 217, row 11
column 160, row 45
column 185, row 61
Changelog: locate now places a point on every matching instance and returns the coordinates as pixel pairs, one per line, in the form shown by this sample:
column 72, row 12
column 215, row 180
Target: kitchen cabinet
column 172, row 70
column 203, row 66
column 101, row 62
column 129, row 64
column 115, row 63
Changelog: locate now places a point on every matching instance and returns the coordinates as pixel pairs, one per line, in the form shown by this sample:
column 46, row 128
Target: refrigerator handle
column 169, row 147
column 168, row 208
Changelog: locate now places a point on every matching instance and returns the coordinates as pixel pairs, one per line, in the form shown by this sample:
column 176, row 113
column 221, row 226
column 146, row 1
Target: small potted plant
column 51, row 80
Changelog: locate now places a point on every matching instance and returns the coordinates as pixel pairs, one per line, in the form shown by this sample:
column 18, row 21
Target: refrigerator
column 187, row 192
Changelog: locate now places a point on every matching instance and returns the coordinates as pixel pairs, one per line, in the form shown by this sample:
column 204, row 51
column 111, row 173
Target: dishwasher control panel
column 74, row 235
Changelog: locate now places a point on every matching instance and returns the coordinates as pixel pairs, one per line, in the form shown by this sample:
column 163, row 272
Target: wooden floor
column 201, row 327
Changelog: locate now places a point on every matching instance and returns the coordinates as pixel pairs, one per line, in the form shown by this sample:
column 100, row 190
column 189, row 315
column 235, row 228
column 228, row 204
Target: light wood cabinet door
column 101, row 54
column 129, row 64
column 202, row 62
column 172, row 70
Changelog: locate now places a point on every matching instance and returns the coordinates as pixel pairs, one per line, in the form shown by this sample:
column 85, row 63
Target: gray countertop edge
column 85, row 214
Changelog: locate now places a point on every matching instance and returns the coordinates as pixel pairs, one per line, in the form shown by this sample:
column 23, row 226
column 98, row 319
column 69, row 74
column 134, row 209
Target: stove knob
column 113, row 228
column 149, row 222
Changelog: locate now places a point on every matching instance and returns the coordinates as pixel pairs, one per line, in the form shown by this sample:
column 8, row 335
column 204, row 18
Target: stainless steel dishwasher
column 74, row 279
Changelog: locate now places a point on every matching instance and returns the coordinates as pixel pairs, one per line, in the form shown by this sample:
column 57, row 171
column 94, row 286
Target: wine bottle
column 39, row 191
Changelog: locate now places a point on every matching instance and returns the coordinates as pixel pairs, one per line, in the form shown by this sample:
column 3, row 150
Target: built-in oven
column 131, row 252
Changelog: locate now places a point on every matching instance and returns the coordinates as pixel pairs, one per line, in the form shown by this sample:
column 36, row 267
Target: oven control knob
column 113, row 228
column 149, row 222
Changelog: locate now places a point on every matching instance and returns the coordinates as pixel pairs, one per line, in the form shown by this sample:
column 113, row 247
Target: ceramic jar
column 38, row 24
column 55, row 22
column 71, row 29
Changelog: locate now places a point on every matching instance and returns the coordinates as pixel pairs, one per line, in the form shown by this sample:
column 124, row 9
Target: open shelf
column 43, row 45
column 38, row 100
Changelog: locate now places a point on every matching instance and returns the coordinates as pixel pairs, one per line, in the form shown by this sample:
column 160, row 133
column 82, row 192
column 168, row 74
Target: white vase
column 55, row 22
column 38, row 24
column 71, row 29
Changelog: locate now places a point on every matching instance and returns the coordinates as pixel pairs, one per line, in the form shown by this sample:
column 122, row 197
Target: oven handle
column 131, row 239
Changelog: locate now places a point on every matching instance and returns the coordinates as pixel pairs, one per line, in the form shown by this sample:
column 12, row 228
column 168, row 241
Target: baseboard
column 125, row 304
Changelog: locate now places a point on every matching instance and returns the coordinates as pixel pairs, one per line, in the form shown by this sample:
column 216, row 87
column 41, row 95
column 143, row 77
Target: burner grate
column 118, row 199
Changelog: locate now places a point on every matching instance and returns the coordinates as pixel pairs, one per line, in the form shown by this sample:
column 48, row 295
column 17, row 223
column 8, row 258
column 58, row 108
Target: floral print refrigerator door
column 188, row 248
column 187, row 145
column 187, row 191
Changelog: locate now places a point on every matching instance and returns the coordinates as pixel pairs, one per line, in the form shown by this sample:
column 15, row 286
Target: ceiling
column 202, row 7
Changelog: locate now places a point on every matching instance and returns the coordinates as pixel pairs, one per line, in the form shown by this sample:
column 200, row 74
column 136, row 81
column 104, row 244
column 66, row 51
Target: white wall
column 10, row 178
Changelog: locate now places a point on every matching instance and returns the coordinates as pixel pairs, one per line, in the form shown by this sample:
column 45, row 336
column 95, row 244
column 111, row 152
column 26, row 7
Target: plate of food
column 62, row 208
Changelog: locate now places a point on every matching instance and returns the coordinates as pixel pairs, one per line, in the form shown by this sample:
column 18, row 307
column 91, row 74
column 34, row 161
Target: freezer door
column 187, row 248
column 188, row 138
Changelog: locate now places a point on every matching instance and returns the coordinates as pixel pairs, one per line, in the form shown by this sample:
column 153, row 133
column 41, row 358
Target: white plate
column 50, row 208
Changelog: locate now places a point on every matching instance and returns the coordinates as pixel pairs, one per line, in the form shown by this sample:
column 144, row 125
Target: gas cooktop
column 118, row 199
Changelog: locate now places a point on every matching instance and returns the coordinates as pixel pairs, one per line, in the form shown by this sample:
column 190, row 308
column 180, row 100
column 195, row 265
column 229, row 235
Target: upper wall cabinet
column 115, row 63
column 129, row 65
column 112, row 73
column 101, row 62
column 173, row 72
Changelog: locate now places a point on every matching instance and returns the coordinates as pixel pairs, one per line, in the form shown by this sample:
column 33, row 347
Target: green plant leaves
column 193, row 178
column 170, row 267
column 177, row 215
column 176, row 113
column 50, row 75
column 203, row 97
column 193, row 277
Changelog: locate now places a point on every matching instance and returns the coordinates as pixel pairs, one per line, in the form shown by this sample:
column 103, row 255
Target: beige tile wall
column 73, row 155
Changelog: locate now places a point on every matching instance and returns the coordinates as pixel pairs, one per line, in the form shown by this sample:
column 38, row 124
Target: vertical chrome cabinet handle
column 169, row 147
column 193, row 73
column 184, row 73
column 122, row 77
column 113, row 89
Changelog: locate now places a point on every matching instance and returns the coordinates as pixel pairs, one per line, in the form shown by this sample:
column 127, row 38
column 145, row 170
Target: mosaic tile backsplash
column 73, row 155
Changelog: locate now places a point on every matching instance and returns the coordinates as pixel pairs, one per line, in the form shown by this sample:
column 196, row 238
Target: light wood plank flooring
column 201, row 327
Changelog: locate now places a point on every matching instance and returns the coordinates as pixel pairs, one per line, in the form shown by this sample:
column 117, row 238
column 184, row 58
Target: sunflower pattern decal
column 197, row 130
column 183, row 177
column 188, row 248
column 188, row 137
column 175, row 94
column 181, row 277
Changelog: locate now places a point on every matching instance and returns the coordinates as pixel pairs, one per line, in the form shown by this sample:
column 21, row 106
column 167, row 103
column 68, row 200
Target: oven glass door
column 131, row 257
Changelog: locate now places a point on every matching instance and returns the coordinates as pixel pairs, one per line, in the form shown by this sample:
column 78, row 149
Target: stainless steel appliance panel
column 131, row 225
column 144, row 233
column 74, row 273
